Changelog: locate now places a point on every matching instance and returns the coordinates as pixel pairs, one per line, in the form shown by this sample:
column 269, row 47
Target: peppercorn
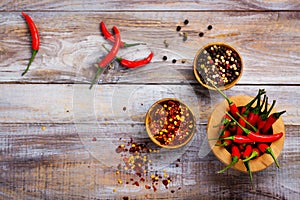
column 174, row 61
column 201, row 34
column 209, row 27
column 178, row 28
column 186, row 22
column 165, row 57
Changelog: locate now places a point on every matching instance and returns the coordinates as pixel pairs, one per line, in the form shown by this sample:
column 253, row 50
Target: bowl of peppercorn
column 170, row 123
column 254, row 147
column 218, row 64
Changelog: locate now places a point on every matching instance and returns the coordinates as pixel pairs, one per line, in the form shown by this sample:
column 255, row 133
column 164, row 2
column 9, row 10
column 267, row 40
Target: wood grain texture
column 71, row 45
column 107, row 103
column 58, row 139
column 54, row 163
column 103, row 5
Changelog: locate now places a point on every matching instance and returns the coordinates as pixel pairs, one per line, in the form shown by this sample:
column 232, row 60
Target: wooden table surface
column 58, row 139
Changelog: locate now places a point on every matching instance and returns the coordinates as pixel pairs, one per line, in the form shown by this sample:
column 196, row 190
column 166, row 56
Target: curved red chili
column 257, row 137
column 235, row 155
column 267, row 149
column 238, row 139
column 255, row 153
column 35, row 44
column 254, row 113
column 110, row 56
column 232, row 106
column 271, row 120
column 138, row 63
column 263, row 117
column 111, row 38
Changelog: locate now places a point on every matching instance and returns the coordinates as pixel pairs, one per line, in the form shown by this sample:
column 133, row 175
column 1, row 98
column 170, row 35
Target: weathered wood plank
column 55, row 163
column 122, row 103
column 55, row 5
column 71, row 44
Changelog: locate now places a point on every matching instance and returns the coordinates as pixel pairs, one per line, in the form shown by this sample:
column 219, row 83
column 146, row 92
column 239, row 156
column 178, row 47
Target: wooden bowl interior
column 223, row 155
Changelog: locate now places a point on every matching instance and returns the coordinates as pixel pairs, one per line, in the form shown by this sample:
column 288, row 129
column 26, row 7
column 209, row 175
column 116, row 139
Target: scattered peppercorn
column 124, row 108
column 174, row 61
column 165, row 57
column 186, row 22
column 178, row 28
column 184, row 36
column 201, row 34
column 209, row 27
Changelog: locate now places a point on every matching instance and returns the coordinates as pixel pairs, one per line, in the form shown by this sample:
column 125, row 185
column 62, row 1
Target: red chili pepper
column 235, row 155
column 246, row 154
column 111, row 38
column 225, row 143
column 271, row 120
column 244, row 123
column 133, row 64
column 35, row 44
column 267, row 149
column 110, row 56
column 257, row 137
column 255, row 153
column 254, row 113
column 263, row 117
column 245, row 111
column 238, row 139
column 138, row 63
column 232, row 106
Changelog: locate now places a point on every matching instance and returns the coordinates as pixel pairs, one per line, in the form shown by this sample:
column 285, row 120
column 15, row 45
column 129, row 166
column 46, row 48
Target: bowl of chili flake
column 170, row 123
column 223, row 149
column 219, row 64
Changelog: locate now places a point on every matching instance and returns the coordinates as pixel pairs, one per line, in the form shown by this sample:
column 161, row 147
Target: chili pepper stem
column 243, row 128
column 224, row 95
column 133, row 44
column 235, row 159
column 269, row 151
column 34, row 52
column 117, row 58
column 95, row 77
column 253, row 127
column 247, row 165
column 253, row 155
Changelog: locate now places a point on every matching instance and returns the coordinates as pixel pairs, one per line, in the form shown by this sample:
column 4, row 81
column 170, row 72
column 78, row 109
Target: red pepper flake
column 136, row 183
column 94, row 139
column 148, row 187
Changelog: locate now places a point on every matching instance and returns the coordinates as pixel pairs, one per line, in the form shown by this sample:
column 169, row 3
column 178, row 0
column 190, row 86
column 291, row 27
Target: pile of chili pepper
column 246, row 131
column 112, row 54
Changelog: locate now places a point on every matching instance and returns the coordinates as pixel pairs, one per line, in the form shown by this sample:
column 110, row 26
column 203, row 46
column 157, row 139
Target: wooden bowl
column 201, row 75
column 224, row 156
column 151, row 118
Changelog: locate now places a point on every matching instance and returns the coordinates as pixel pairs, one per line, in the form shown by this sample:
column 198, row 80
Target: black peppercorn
column 209, row 27
column 186, row 22
column 178, row 28
column 174, row 61
column 165, row 58
column 201, row 34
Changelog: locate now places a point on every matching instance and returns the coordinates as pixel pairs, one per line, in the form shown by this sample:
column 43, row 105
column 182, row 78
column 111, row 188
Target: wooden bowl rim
column 152, row 137
column 227, row 86
column 224, row 156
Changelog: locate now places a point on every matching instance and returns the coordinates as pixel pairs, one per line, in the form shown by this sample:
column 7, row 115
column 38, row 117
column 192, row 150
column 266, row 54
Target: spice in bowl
column 218, row 64
column 170, row 123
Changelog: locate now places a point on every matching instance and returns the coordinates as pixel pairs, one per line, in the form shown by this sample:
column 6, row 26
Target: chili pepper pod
column 263, row 117
column 256, row 137
column 271, row 120
column 232, row 106
column 255, row 153
column 267, row 149
column 110, row 56
column 35, row 44
column 245, row 122
column 111, row 38
column 237, row 139
column 246, row 154
column 133, row 63
column 254, row 113
column 235, row 155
